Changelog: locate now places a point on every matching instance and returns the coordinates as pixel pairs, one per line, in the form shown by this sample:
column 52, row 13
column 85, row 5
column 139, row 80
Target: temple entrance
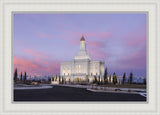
column 77, row 80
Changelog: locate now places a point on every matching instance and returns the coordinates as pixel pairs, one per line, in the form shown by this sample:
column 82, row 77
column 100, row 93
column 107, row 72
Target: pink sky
column 43, row 41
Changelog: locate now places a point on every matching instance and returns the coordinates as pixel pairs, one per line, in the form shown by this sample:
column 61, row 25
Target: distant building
column 82, row 68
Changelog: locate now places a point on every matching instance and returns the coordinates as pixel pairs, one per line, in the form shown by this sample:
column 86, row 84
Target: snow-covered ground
column 110, row 89
column 99, row 87
column 24, row 86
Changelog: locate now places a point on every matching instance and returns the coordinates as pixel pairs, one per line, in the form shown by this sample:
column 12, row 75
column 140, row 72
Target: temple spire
column 82, row 38
column 82, row 54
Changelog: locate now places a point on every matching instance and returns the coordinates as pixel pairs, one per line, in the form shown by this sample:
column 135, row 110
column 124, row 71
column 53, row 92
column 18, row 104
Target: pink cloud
column 136, row 37
column 35, row 53
column 134, row 41
column 53, row 36
column 36, row 66
column 105, row 35
column 74, row 42
column 134, row 60
column 75, row 37
column 44, row 35
column 96, row 44
column 24, row 64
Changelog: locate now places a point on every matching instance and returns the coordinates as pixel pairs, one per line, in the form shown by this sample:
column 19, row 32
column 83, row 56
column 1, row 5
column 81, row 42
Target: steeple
column 82, row 38
column 82, row 44
column 82, row 54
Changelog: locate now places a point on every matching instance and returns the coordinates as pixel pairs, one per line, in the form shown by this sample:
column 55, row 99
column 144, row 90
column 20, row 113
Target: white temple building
column 82, row 68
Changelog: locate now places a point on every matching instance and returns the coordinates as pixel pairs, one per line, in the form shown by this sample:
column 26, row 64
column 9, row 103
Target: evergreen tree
column 105, row 74
column 21, row 77
column 98, row 81
column 52, row 78
column 69, row 80
column 56, row 78
column 130, row 78
column 95, row 79
column 124, row 78
column 110, row 78
column 144, row 81
column 15, row 75
column 25, row 77
column 62, row 80
column 49, row 79
column 114, row 78
column 59, row 78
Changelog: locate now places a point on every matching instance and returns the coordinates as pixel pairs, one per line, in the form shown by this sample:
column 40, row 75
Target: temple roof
column 82, row 38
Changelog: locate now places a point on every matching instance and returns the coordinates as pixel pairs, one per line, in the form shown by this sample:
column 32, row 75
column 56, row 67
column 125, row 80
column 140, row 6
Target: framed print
column 79, row 57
